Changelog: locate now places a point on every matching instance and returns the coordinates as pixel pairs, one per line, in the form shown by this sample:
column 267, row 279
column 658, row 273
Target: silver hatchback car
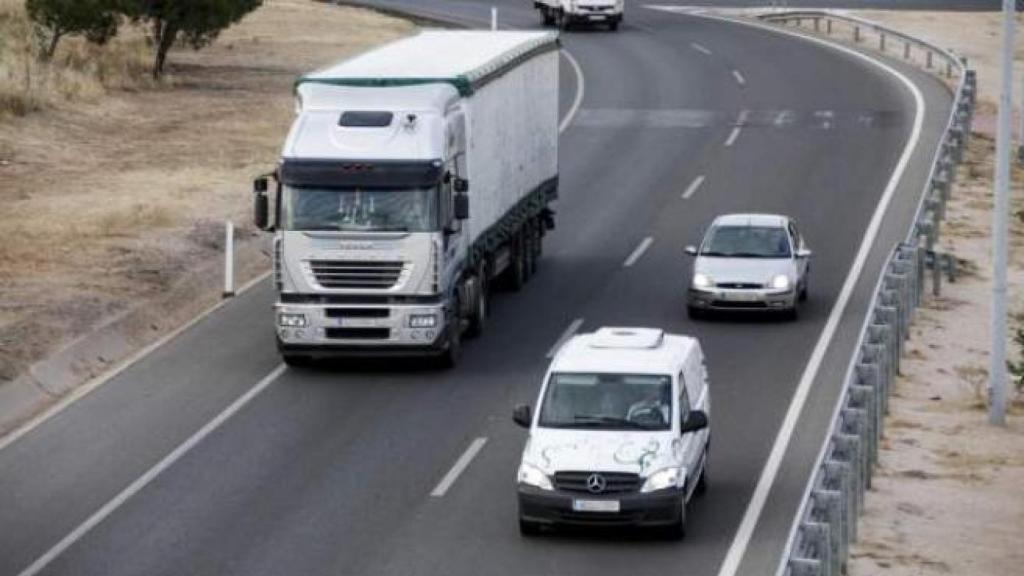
column 749, row 262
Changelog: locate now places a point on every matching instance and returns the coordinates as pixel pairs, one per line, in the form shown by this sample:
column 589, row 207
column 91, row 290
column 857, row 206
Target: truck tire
column 481, row 305
column 453, row 348
column 517, row 273
column 535, row 246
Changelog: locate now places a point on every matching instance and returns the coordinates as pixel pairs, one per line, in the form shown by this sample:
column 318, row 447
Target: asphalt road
column 330, row 470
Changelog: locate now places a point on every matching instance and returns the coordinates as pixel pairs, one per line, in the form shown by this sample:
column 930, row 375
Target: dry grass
column 78, row 71
column 111, row 196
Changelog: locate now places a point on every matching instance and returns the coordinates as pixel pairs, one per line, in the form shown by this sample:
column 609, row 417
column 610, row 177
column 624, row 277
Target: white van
column 620, row 435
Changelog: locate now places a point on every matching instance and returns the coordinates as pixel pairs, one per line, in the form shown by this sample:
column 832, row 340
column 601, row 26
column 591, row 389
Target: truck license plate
column 595, row 505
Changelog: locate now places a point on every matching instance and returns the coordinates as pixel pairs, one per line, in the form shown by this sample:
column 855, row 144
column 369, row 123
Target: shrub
column 54, row 19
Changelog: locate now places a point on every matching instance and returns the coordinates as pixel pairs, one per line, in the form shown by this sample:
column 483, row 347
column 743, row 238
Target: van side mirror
column 461, row 185
column 698, row 420
column 691, row 250
column 461, row 206
column 803, row 253
column 261, row 204
column 522, row 415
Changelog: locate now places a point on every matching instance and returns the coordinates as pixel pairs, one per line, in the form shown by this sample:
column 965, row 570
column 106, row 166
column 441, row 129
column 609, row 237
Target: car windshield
column 607, row 402
column 747, row 242
column 360, row 210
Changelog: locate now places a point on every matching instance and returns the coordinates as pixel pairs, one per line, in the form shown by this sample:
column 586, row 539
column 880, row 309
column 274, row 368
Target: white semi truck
column 414, row 177
column 564, row 13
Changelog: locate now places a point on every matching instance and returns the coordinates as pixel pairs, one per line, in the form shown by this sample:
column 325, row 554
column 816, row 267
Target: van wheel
column 528, row 529
column 677, row 530
column 702, row 481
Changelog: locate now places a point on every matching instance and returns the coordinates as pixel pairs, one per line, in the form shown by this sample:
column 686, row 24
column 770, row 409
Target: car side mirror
column 803, row 253
column 698, row 420
column 461, row 185
column 691, row 250
column 461, row 206
column 261, row 204
column 522, row 415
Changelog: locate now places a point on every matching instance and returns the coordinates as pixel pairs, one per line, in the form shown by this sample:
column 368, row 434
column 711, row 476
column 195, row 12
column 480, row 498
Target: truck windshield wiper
column 595, row 420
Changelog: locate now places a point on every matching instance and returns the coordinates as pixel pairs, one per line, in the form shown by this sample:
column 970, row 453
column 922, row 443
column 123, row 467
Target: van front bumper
column 555, row 508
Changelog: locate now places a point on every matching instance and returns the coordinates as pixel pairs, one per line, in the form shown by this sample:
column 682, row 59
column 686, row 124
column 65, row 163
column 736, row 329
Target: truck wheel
column 481, row 304
column 517, row 269
column 535, row 247
column 453, row 351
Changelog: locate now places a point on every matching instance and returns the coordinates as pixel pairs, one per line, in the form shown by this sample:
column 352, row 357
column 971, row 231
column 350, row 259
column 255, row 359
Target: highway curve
column 331, row 470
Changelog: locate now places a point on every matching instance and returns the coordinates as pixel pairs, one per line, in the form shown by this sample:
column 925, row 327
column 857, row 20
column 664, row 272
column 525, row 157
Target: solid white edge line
column 92, row 385
column 733, row 136
column 580, row 90
column 739, row 77
column 142, row 481
column 770, row 471
column 573, row 327
column 638, row 252
column 458, row 468
column 693, row 187
column 700, row 48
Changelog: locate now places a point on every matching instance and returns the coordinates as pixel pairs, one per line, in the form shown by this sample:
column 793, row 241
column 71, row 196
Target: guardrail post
column 839, row 475
column 936, row 273
column 847, row 450
column 817, row 24
column 828, row 26
column 928, row 60
column 804, row 567
column 830, row 502
column 922, row 256
column 906, row 50
column 864, row 398
column 856, row 34
column 229, row 259
column 881, row 42
column 949, row 69
column 854, row 422
column 818, row 533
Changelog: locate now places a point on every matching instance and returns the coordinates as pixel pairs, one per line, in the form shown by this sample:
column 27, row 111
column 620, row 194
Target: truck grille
column 615, row 482
column 356, row 274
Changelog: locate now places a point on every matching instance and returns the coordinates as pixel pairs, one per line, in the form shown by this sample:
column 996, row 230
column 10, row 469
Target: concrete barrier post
column 229, row 260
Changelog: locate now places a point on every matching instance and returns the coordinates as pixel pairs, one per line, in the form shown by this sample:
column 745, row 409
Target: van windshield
column 360, row 209
column 607, row 402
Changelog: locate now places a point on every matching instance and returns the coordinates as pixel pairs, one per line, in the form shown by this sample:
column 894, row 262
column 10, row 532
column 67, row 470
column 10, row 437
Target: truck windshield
column 607, row 402
column 360, row 210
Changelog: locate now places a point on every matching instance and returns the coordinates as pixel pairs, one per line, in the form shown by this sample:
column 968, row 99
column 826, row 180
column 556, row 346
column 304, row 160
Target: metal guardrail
column 826, row 523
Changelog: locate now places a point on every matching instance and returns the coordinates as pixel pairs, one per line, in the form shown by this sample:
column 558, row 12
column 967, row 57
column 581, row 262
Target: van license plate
column 595, row 505
column 597, row 17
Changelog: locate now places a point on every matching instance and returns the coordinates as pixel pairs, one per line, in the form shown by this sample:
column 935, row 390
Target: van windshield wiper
column 596, row 420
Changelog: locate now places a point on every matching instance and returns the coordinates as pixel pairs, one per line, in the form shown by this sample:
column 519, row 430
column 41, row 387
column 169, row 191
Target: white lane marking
column 739, row 77
column 693, row 187
column 738, row 548
column 737, row 128
column 142, row 481
column 574, row 326
column 733, row 136
column 701, row 49
column 580, row 90
column 94, row 384
column 783, row 117
column 638, row 252
column 459, row 467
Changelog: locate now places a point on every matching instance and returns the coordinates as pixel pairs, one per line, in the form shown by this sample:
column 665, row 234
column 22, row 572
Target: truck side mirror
column 261, row 205
column 461, row 206
column 522, row 416
column 461, row 185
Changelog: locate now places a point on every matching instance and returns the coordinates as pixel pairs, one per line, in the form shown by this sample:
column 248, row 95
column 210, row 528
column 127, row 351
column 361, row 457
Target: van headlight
column 664, row 478
column 530, row 475
column 702, row 281
column 780, row 282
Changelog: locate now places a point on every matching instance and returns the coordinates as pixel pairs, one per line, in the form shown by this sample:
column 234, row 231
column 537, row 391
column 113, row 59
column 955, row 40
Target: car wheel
column 702, row 481
column 296, row 360
column 803, row 291
column 528, row 529
column 694, row 313
column 793, row 314
column 613, row 26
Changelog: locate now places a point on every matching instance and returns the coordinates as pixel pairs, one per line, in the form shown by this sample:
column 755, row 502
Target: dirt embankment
column 116, row 191
column 948, row 496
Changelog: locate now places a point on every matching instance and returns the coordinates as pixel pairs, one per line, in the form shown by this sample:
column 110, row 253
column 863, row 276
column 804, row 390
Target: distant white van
column 620, row 435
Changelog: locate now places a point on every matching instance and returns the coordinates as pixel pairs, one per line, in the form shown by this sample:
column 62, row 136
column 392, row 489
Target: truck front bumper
column 361, row 330
column 554, row 507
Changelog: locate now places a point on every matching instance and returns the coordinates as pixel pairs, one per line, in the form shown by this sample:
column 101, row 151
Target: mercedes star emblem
column 596, row 483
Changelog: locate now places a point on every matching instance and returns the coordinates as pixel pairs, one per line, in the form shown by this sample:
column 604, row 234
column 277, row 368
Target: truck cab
column 620, row 435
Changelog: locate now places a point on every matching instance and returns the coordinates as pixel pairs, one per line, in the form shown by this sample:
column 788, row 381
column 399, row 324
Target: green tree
column 194, row 22
column 54, row 19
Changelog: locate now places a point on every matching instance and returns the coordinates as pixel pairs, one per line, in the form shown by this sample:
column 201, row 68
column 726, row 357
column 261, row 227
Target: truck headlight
column 532, row 476
column 780, row 282
column 664, row 478
column 423, row 321
column 702, row 281
column 291, row 320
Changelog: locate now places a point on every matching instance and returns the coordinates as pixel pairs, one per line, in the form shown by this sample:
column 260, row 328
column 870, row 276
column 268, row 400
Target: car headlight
column 664, row 478
column 702, row 281
column 422, row 321
column 780, row 282
column 530, row 475
column 291, row 320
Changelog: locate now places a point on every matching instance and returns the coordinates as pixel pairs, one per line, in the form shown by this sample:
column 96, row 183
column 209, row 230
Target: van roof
column 625, row 350
column 462, row 58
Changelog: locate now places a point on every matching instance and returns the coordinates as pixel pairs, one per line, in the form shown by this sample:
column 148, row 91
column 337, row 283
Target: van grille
column 356, row 274
column 615, row 482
